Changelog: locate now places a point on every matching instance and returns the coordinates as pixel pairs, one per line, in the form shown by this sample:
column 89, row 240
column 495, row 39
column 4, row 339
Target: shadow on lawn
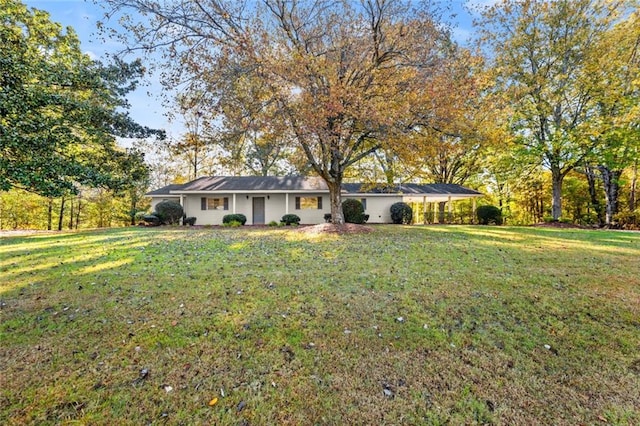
column 526, row 238
column 26, row 261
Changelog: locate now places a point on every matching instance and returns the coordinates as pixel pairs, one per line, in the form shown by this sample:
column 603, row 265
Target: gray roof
column 408, row 189
column 299, row 183
column 256, row 183
column 165, row 190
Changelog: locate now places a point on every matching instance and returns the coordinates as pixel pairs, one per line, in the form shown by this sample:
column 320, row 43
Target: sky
column 146, row 105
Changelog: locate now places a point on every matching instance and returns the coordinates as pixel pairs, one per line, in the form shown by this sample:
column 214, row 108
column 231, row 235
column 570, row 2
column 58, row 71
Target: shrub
column 239, row 217
column 290, row 219
column 232, row 224
column 627, row 220
column 489, row 215
column 273, row 223
column 401, row 213
column 151, row 220
column 353, row 211
column 189, row 221
column 169, row 212
column 139, row 216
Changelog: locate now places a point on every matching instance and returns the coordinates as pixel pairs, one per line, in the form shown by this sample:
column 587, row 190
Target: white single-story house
column 263, row 199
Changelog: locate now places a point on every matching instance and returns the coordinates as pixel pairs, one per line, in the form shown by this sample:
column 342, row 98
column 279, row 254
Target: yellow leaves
column 213, row 402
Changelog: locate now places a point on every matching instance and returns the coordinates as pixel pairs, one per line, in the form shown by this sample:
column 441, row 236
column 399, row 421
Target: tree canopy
column 547, row 64
column 60, row 111
column 341, row 77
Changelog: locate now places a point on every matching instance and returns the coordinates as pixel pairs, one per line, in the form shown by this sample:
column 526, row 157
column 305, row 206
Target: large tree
column 341, row 75
column 447, row 146
column 59, row 110
column 615, row 120
column 543, row 51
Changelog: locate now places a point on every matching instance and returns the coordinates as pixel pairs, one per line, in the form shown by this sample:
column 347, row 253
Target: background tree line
column 541, row 113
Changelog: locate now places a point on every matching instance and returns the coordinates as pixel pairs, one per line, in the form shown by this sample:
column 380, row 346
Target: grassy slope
column 285, row 328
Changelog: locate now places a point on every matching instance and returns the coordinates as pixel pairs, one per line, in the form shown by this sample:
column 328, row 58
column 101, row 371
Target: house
column 263, row 199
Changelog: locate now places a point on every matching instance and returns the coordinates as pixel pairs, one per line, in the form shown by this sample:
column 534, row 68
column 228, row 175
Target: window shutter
column 203, row 203
column 319, row 203
column 297, row 203
column 226, row 203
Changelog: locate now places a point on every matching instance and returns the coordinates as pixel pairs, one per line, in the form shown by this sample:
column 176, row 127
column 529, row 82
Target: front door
column 258, row 210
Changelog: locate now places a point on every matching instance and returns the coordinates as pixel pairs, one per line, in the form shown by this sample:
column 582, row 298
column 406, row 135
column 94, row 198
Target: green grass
column 298, row 329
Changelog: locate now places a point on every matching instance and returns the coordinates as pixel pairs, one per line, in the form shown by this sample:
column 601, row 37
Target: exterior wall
column 192, row 207
column 274, row 206
column 310, row 216
column 378, row 207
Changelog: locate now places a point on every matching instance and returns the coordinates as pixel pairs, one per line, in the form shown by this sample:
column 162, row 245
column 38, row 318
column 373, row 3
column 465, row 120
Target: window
column 214, row 203
column 308, row 203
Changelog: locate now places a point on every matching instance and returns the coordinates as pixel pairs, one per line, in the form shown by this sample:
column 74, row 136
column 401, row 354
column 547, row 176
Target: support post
column 473, row 211
column 233, row 207
column 450, row 207
column 286, row 203
column 184, row 211
column 424, row 210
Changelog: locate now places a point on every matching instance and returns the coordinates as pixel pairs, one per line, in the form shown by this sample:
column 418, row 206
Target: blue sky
column 147, row 108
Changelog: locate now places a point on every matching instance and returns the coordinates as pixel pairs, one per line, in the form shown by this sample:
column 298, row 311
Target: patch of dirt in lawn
column 559, row 225
column 330, row 228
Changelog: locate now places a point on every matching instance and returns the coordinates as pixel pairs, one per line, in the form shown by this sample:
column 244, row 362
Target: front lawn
column 405, row 325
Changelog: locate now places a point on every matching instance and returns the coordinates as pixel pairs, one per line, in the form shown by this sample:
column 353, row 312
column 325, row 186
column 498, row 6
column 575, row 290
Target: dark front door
column 258, row 210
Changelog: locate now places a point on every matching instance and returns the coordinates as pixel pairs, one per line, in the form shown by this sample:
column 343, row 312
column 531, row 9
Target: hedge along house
column 263, row 199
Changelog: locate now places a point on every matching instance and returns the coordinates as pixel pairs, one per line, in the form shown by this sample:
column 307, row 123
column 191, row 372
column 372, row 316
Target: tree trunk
column 593, row 194
column 61, row 216
column 71, row 213
column 556, row 203
column 610, row 179
column 49, row 214
column 78, row 212
column 335, row 196
column 634, row 187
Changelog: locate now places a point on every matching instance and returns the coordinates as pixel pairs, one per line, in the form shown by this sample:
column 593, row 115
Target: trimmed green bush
column 239, row 217
column 273, row 223
column 151, row 220
column 189, row 221
column 353, row 211
column 290, row 219
column 401, row 213
column 169, row 212
column 489, row 215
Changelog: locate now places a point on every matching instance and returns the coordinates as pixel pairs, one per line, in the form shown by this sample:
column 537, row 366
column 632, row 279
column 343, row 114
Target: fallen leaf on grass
column 388, row 391
column 213, row 402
